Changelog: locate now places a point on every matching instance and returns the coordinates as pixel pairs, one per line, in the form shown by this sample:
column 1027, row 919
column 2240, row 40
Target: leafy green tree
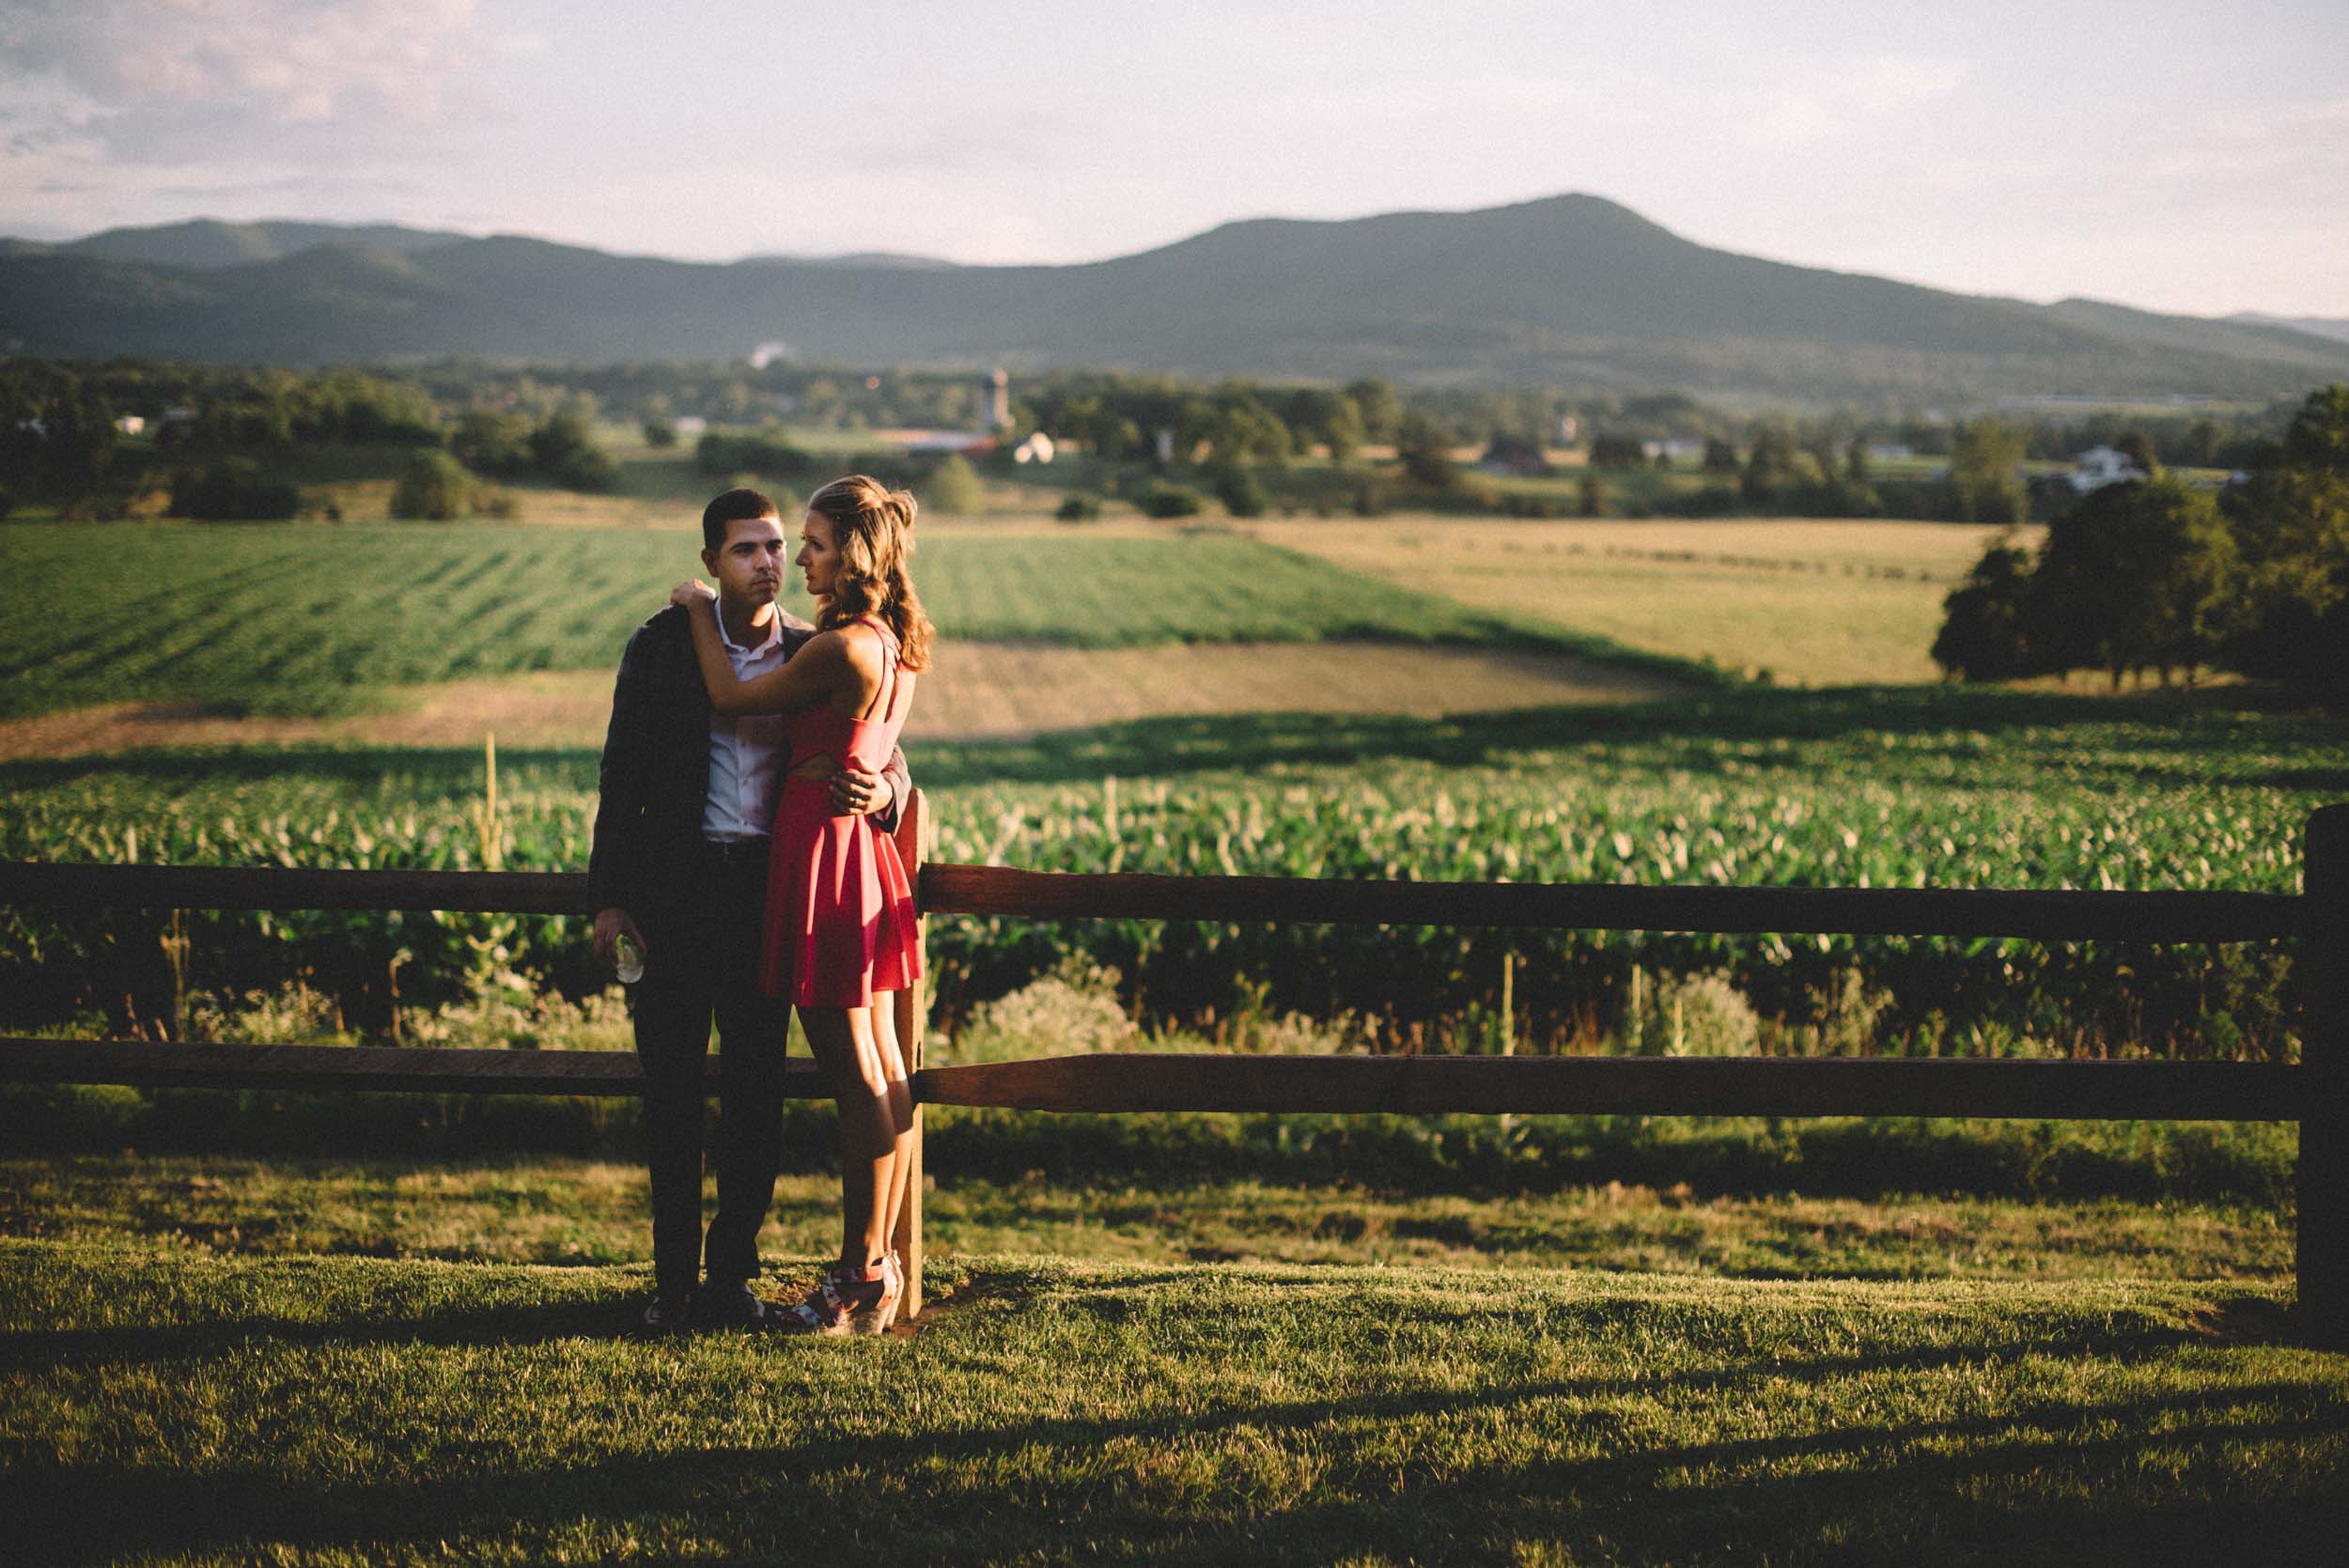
column 1593, row 502
column 1985, row 621
column 1241, row 494
column 2138, row 448
column 2318, row 441
column 1773, row 464
column 953, row 489
column 1426, row 450
column 1617, row 451
column 1078, row 507
column 660, row 434
column 554, row 443
column 435, row 488
column 1719, row 457
column 587, row 468
column 1985, row 484
column 1380, row 409
column 232, row 491
column 1162, row 500
column 494, row 441
column 2137, row 576
column 2292, row 522
column 1344, row 430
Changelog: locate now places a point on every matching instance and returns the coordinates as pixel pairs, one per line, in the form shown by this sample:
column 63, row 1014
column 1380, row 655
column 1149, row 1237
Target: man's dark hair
column 733, row 507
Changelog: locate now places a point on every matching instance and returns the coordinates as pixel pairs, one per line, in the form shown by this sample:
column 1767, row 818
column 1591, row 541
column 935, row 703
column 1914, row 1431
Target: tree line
column 1251, row 444
column 2156, row 575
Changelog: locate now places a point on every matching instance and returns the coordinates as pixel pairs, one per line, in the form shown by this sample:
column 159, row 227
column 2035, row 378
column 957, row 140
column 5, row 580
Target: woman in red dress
column 840, row 914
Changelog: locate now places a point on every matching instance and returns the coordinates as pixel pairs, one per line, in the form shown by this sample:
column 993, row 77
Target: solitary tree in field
column 2137, row 575
column 953, row 489
column 435, row 489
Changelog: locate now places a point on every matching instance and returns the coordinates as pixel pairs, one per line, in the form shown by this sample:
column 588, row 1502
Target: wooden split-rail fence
column 2313, row 1092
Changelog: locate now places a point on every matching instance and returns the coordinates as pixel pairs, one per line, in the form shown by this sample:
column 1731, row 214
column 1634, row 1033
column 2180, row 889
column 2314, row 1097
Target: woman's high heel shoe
column 873, row 1314
column 848, row 1301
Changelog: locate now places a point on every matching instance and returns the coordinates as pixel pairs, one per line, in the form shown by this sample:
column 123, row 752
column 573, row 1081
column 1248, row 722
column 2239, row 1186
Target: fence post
column 2324, row 1168
column 914, row 832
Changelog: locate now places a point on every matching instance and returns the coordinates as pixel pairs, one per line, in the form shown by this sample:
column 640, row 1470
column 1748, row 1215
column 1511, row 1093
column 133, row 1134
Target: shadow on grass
column 2116, row 1481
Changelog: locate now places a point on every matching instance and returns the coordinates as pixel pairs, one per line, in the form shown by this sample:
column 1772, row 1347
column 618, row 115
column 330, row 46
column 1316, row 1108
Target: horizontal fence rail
column 982, row 890
column 1126, row 1081
column 1626, row 1086
column 2315, row 1094
column 2066, row 916
column 375, row 1070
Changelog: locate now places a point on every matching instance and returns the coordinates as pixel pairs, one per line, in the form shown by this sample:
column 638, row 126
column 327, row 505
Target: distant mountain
column 1571, row 290
column 856, row 258
column 2322, row 326
column 209, row 242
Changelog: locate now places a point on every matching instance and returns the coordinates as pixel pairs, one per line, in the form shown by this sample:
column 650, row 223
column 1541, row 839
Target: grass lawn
column 1816, row 602
column 171, row 1406
column 570, row 1210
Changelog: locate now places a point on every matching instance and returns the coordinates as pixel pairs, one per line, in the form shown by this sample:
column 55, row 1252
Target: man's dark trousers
column 702, row 962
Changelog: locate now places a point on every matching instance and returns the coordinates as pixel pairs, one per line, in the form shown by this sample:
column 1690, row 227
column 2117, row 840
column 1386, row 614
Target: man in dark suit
column 680, row 870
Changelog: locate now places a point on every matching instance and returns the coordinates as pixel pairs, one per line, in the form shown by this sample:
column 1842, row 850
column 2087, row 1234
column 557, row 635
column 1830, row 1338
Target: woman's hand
column 692, row 591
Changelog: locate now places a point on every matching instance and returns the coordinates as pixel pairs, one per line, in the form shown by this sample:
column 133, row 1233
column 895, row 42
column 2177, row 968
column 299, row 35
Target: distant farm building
column 2099, row 466
column 132, row 424
column 1038, row 448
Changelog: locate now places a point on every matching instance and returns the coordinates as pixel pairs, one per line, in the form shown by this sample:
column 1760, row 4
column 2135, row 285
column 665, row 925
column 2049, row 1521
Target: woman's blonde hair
column 872, row 527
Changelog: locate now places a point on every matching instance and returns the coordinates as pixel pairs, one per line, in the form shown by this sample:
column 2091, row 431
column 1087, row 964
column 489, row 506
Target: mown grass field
column 306, row 618
column 167, row 1406
column 1368, row 1210
column 1814, row 602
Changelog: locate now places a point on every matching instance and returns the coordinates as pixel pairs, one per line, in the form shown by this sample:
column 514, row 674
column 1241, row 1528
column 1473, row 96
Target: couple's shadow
column 614, row 1316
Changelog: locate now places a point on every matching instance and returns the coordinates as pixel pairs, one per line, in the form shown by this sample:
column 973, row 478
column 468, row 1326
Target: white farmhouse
column 2099, row 466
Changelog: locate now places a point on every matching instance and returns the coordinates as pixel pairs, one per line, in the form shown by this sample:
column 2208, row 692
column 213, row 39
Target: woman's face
column 820, row 558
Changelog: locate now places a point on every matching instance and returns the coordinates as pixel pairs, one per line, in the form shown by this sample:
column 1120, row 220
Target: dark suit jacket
column 655, row 783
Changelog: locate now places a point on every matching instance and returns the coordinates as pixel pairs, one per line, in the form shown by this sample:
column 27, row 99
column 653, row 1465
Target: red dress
column 840, row 914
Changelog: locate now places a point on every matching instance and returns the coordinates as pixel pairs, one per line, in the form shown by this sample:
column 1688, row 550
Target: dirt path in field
column 981, row 690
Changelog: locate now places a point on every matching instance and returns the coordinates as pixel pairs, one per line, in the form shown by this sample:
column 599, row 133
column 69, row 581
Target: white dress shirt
column 745, row 753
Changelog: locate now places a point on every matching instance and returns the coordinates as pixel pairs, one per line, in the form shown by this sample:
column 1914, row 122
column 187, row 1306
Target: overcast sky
column 2188, row 158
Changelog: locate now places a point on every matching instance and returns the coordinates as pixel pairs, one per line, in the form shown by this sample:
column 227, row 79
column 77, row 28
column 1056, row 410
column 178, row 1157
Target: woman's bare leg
column 844, row 1048
column 893, row 1062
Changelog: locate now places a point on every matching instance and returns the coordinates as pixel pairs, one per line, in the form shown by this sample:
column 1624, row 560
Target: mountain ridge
column 1573, row 290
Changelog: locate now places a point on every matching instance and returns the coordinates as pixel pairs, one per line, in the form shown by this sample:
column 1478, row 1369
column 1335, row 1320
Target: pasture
column 1814, row 602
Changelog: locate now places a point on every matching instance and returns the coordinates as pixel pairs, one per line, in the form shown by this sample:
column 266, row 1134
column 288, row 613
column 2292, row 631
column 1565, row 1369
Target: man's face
column 748, row 567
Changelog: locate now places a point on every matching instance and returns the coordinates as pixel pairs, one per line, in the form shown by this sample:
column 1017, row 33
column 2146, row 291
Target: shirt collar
column 774, row 633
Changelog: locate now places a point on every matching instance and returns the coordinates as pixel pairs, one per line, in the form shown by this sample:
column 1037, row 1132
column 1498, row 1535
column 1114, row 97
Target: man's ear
column 709, row 560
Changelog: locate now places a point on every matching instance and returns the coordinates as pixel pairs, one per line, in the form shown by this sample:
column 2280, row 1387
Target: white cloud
column 243, row 77
column 1845, row 95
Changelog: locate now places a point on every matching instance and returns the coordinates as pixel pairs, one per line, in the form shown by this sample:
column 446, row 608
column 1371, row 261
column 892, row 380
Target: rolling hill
column 1572, row 289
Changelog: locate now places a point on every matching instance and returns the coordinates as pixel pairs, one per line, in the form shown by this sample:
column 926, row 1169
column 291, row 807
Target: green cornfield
column 1927, row 788
column 320, row 619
